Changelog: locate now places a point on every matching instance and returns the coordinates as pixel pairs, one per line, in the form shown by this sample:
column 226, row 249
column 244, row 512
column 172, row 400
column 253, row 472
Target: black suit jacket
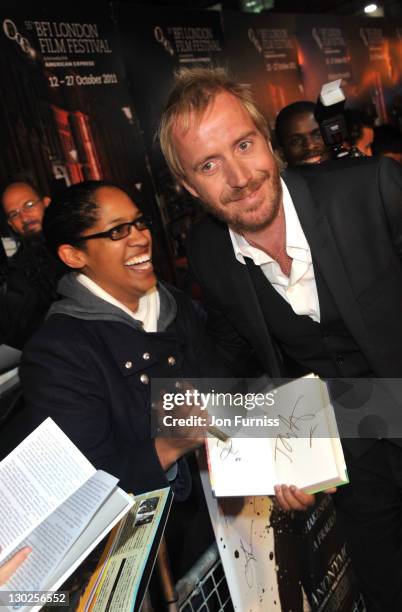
column 351, row 214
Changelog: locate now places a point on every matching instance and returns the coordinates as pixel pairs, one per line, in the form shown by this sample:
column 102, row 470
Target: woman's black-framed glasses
column 118, row 232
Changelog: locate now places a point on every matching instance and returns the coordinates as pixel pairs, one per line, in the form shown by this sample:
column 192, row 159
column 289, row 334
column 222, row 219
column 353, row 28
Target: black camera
column 329, row 114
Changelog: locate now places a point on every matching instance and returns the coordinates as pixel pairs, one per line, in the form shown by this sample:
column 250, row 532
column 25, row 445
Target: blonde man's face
column 229, row 165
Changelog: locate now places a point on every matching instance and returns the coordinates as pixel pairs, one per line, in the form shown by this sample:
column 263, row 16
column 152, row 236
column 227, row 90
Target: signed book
column 53, row 500
column 294, row 442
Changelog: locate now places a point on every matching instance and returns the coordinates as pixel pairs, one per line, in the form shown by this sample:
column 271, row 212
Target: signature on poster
column 249, row 558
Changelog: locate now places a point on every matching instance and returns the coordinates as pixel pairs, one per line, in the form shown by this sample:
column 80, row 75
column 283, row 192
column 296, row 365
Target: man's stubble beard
column 271, row 204
column 31, row 230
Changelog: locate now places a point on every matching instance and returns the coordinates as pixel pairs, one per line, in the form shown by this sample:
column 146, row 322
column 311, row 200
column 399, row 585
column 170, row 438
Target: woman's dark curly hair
column 70, row 213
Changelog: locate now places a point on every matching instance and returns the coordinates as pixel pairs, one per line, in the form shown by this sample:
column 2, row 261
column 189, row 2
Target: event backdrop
column 156, row 43
column 66, row 112
column 84, row 94
column 262, row 50
column 324, row 54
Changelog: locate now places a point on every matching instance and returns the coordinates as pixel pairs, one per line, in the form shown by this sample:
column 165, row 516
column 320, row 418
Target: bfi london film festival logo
column 11, row 31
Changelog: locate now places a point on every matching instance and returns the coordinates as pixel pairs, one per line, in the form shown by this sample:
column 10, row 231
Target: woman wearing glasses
column 90, row 366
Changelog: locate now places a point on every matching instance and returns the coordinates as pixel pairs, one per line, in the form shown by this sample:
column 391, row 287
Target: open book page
column 35, row 478
column 118, row 581
column 109, row 514
column 306, row 450
column 311, row 468
column 241, row 466
column 51, row 540
column 302, row 449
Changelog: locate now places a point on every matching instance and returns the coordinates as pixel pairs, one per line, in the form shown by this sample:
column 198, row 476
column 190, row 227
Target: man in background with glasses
column 24, row 208
column 29, row 281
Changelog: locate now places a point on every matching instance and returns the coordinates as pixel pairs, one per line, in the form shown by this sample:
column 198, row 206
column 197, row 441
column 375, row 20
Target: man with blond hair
column 302, row 272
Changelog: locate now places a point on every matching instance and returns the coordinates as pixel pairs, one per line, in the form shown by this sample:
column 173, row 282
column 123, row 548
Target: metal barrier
column 204, row 587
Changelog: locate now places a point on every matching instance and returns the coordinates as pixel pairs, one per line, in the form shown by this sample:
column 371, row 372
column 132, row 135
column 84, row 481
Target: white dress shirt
column 300, row 289
column 147, row 312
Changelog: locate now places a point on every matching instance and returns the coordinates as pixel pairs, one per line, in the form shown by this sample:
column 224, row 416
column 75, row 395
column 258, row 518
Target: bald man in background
column 24, row 208
column 32, row 274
